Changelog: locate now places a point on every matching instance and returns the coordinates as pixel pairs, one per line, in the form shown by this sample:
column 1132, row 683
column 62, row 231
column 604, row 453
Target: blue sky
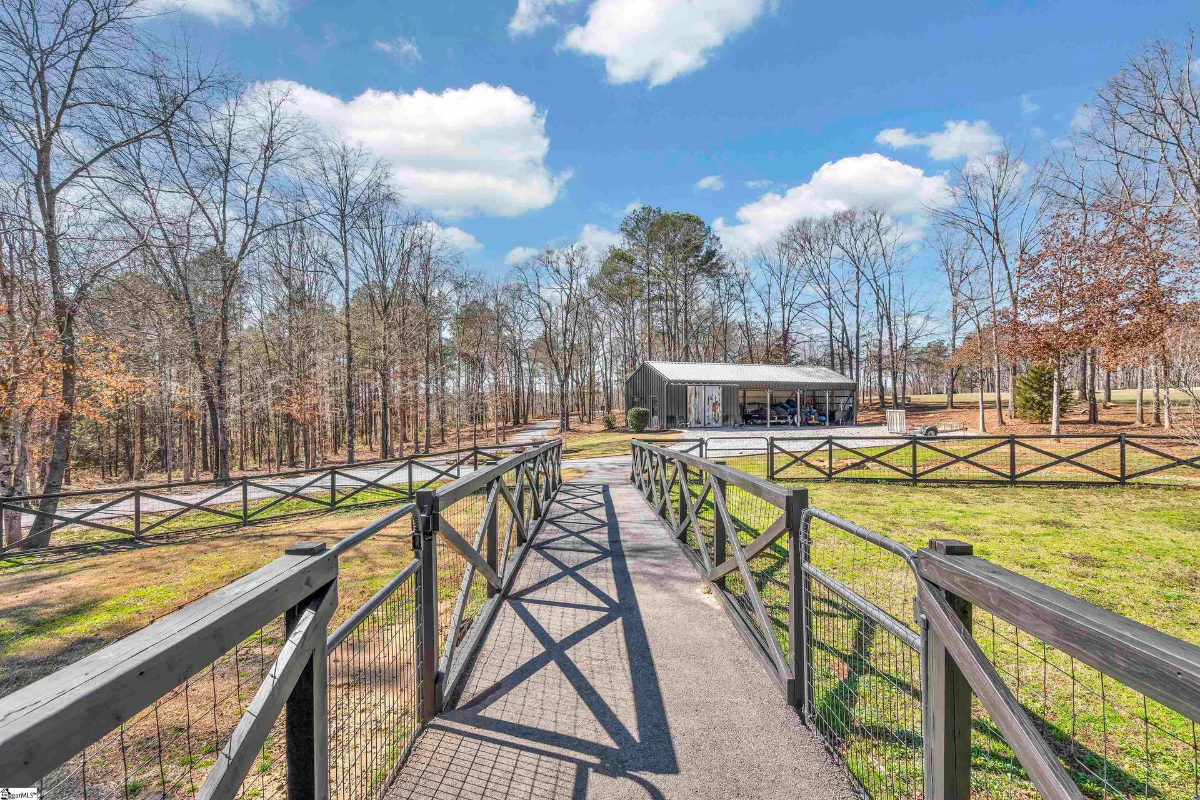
column 528, row 122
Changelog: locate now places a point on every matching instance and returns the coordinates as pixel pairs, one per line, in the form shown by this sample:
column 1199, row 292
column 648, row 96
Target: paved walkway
column 608, row 673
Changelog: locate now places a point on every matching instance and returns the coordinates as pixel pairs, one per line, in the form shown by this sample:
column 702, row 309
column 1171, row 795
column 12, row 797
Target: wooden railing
column 140, row 512
column 190, row 706
column 1014, row 459
column 898, row 658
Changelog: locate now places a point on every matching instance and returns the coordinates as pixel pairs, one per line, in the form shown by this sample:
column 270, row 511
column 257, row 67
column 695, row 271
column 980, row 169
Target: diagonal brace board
column 226, row 776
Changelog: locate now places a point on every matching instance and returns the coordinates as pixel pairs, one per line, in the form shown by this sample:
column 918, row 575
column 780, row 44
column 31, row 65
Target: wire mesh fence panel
column 78, row 518
column 745, row 453
column 699, row 533
column 865, row 668
column 799, row 460
column 1112, row 740
column 950, row 460
column 751, row 517
column 1155, row 460
column 374, row 689
column 1069, row 460
column 167, row 749
column 90, row 516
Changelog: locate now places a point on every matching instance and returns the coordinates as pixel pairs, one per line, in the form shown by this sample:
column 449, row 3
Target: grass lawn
column 1132, row 550
column 606, row 443
column 53, row 613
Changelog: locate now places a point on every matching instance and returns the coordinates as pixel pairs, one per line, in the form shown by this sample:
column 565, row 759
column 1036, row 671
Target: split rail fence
column 933, row 673
column 246, row 693
column 188, row 507
column 1015, row 459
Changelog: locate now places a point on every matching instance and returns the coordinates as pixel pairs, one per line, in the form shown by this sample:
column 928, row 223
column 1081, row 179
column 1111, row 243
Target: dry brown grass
column 56, row 613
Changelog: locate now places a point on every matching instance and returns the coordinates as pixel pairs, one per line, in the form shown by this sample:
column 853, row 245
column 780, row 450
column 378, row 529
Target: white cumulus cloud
column 658, row 40
column 597, row 239
column 958, row 139
column 533, row 14
column 246, row 12
column 401, row 49
column 456, row 238
column 854, row 182
column 519, row 255
column 710, row 183
column 480, row 150
column 760, row 183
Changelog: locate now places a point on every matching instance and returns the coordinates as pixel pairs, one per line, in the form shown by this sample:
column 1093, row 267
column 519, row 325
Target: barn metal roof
column 752, row 375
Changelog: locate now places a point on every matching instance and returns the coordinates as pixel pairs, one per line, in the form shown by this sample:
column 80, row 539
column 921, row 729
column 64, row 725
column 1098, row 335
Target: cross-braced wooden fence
column 933, row 673
column 1016, row 459
column 246, row 693
column 143, row 512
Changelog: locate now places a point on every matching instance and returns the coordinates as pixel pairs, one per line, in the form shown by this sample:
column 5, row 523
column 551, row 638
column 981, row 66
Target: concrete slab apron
column 609, row 673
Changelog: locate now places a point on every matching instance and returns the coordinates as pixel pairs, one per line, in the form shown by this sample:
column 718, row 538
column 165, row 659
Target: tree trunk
column 1054, row 415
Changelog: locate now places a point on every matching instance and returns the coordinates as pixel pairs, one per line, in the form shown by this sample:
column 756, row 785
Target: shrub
column 637, row 419
column 1033, row 394
column 608, row 421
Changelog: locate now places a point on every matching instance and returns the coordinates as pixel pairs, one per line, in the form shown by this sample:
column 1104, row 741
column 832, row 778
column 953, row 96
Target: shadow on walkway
column 609, row 672
column 565, row 685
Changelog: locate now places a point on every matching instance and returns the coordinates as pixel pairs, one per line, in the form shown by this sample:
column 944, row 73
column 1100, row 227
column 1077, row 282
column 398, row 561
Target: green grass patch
column 1132, row 550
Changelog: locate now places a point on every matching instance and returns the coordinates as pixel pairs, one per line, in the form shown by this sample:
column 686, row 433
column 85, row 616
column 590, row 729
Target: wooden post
column 306, row 721
column 333, row 488
column 520, row 513
column 683, row 476
column 913, row 441
column 946, row 700
column 245, row 500
column 799, row 605
column 768, row 408
column 830, row 443
column 719, row 534
column 1121, row 436
column 137, row 513
column 492, row 550
column 770, row 458
column 1012, row 459
column 425, row 543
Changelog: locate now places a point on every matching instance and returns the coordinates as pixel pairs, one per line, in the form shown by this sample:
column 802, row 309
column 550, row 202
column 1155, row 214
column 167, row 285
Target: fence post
column 1122, row 449
column 490, row 548
column 333, row 487
column 1012, row 459
column 946, row 702
column 410, row 484
column 770, row 455
column 520, row 511
column 425, row 542
column 914, row 460
column 830, row 443
column 719, row 533
column 245, row 499
column 306, row 721
column 137, row 513
column 683, row 479
column 798, row 601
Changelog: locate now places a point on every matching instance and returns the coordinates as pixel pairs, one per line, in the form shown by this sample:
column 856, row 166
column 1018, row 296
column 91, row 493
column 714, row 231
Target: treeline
column 195, row 281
